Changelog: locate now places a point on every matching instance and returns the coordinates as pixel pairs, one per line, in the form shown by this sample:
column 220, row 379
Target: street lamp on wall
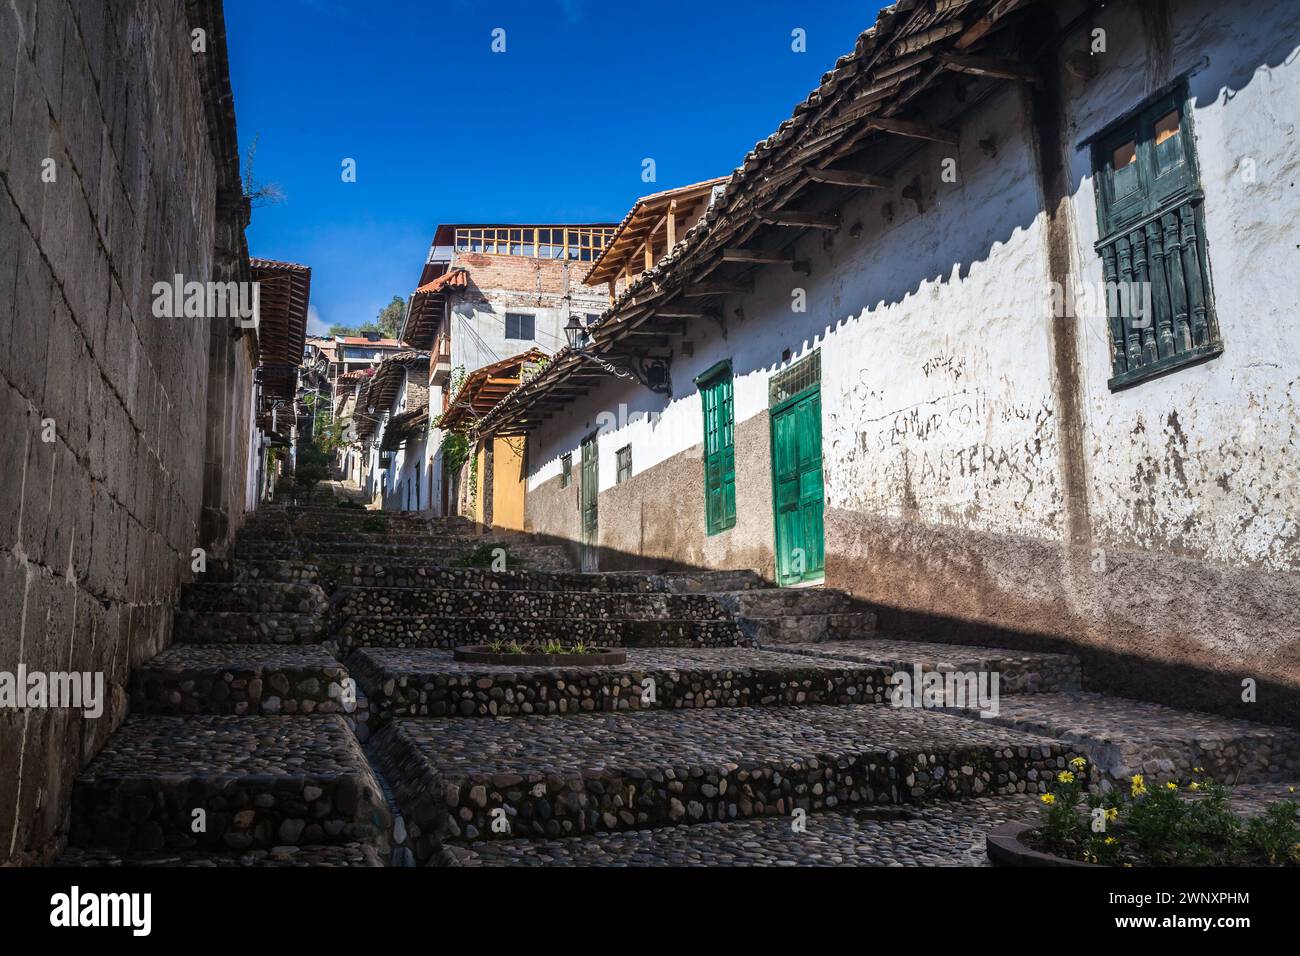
column 650, row 371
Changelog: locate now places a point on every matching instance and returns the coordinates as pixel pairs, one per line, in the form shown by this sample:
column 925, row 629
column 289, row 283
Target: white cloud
column 315, row 324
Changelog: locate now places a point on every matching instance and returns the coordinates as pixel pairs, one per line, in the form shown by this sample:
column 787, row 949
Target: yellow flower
column 1139, row 787
column 1194, row 786
column 1065, row 776
column 1109, row 841
column 1048, row 798
column 1078, row 763
column 1112, row 814
column 1171, row 785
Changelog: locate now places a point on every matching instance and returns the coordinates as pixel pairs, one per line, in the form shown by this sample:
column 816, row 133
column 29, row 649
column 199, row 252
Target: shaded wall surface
column 116, row 172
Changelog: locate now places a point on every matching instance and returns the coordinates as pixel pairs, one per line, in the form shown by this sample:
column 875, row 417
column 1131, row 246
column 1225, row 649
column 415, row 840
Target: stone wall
column 118, row 169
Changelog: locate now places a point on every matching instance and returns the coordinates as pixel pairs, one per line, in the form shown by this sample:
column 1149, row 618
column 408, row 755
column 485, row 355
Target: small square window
column 520, row 326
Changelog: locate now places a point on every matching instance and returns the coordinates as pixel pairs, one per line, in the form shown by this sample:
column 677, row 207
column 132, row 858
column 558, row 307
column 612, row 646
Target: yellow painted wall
column 480, row 465
column 508, row 484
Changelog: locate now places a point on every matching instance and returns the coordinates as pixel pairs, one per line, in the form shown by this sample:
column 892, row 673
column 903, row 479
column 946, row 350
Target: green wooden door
column 719, row 451
column 588, row 495
column 798, row 496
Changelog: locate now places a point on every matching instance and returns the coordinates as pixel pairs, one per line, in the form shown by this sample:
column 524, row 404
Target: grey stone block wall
column 97, row 526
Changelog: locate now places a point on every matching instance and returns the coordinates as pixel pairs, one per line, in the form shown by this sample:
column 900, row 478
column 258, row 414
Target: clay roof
column 409, row 424
column 426, row 309
column 380, row 390
column 643, row 218
column 486, row 386
column 375, row 343
column 284, row 291
column 859, row 111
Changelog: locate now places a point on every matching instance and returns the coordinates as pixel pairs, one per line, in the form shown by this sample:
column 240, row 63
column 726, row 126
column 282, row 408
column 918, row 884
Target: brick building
column 488, row 293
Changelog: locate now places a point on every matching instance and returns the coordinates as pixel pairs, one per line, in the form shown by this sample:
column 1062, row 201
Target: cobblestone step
column 535, row 556
column 292, row 598
column 326, row 855
column 1124, row 737
column 271, row 570
column 249, row 627
column 399, row 602
column 262, row 549
column 455, row 777
column 260, row 782
column 943, row 834
column 805, row 628
column 1019, row 672
column 448, row 632
column 240, row 680
column 430, row 683
column 415, row 574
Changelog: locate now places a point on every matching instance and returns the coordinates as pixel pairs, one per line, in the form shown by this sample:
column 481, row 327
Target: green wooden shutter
column 719, row 448
column 1151, row 219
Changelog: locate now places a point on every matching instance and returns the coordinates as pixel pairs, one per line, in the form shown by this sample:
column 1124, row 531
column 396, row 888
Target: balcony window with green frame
column 1151, row 221
column 566, row 470
column 717, row 403
column 623, row 461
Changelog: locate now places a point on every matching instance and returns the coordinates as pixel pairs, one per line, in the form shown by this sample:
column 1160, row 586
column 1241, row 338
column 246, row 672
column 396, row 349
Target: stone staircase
column 312, row 711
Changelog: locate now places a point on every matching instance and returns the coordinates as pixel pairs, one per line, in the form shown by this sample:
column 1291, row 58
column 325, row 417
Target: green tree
column 390, row 317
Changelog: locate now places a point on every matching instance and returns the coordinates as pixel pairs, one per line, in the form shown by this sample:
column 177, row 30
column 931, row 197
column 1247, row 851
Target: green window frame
column 718, row 405
column 1151, row 223
column 623, row 464
column 566, row 470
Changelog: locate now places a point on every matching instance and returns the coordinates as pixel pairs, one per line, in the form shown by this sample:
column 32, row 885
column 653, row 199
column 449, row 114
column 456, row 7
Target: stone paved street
column 679, row 756
column 939, row 835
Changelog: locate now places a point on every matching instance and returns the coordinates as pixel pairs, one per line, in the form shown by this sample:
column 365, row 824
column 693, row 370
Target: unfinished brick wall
column 110, row 172
column 525, row 274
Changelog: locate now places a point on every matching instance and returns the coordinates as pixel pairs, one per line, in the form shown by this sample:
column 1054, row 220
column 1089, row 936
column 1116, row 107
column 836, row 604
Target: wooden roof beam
column 760, row 257
column 916, row 130
column 847, row 177
column 803, row 220
column 716, row 288
column 990, row 66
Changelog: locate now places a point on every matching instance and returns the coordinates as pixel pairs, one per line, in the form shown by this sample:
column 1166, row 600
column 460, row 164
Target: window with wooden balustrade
column 1151, row 220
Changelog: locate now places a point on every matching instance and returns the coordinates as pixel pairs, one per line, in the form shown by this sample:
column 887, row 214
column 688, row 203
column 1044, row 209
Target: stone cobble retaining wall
column 419, row 684
column 408, row 602
column 255, row 780
column 277, row 597
column 228, row 571
column 245, row 627
column 264, row 681
column 1018, row 672
column 448, row 632
column 409, row 574
column 659, row 773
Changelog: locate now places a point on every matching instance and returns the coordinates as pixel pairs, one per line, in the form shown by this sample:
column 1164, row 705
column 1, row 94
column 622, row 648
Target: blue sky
column 444, row 130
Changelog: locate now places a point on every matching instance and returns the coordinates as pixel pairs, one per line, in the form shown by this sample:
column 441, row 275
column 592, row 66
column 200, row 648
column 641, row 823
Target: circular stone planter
column 1005, row 848
column 479, row 654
